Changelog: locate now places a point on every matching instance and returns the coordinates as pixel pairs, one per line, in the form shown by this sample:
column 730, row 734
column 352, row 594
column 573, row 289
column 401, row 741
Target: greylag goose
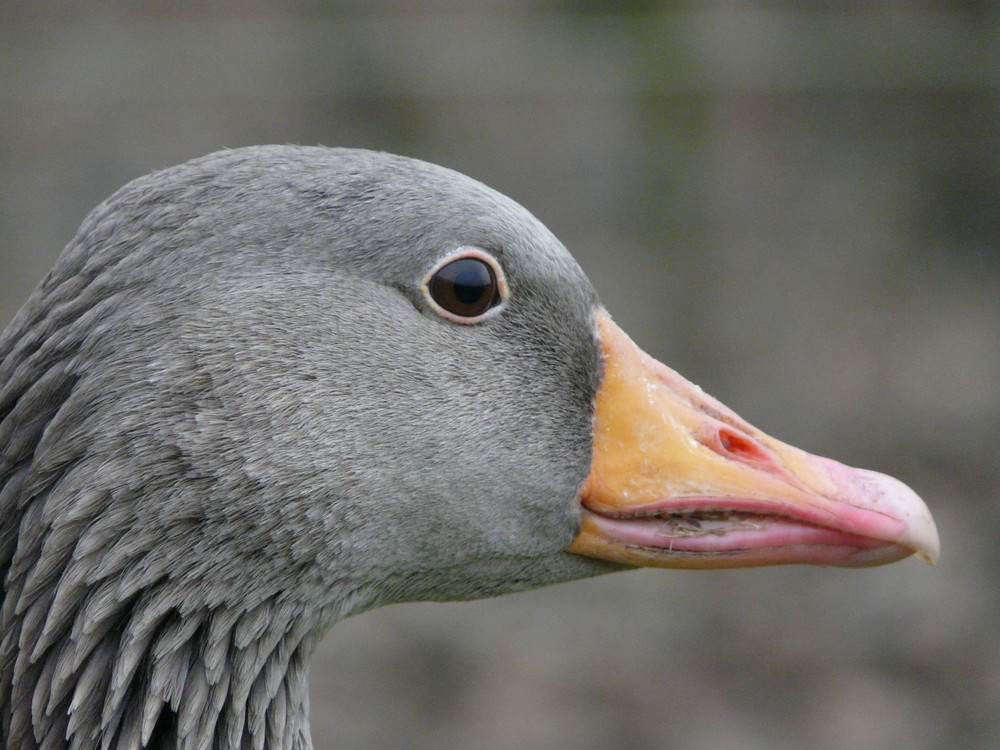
column 274, row 387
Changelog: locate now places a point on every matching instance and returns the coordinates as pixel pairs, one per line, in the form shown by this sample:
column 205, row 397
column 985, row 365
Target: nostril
column 741, row 447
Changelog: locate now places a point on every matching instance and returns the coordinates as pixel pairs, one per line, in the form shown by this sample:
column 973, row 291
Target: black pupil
column 466, row 287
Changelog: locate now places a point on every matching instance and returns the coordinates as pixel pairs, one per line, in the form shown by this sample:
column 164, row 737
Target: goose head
column 277, row 386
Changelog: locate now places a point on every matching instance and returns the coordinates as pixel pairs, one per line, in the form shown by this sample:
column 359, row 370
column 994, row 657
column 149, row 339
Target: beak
column 680, row 481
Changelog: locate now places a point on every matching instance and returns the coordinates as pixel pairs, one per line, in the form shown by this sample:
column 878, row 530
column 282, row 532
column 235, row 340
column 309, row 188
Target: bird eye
column 465, row 286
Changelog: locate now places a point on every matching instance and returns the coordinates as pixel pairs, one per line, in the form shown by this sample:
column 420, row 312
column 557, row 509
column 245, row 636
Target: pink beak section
column 680, row 481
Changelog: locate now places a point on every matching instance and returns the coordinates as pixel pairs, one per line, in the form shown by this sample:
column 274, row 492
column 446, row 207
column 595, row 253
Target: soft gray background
column 796, row 205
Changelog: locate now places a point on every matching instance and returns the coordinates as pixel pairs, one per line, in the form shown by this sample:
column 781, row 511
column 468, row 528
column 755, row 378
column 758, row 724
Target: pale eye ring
column 466, row 286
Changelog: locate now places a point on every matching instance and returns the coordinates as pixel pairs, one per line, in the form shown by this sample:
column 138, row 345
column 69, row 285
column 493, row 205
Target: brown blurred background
column 797, row 205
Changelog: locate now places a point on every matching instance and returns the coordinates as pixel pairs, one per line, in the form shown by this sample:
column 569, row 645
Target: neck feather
column 152, row 675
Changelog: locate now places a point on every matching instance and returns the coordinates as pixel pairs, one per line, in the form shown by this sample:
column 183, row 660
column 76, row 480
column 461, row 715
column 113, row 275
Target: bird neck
column 168, row 677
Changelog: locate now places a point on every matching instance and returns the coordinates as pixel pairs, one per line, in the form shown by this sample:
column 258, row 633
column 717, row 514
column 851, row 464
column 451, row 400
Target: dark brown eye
column 466, row 288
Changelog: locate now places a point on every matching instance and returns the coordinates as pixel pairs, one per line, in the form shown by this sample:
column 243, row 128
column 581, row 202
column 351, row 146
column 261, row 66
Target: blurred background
column 797, row 205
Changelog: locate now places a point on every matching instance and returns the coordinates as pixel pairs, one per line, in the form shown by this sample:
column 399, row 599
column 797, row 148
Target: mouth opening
column 739, row 531
column 698, row 522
